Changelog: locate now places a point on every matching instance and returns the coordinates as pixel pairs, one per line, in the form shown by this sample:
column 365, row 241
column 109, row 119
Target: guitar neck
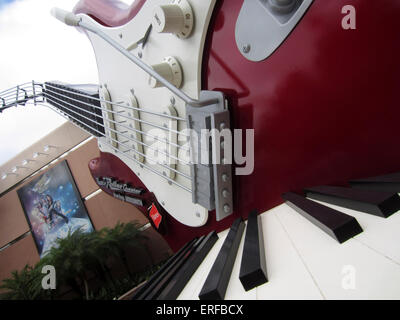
column 79, row 103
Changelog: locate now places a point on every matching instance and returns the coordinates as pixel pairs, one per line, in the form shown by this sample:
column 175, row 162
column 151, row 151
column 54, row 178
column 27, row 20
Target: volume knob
column 170, row 70
column 176, row 18
column 283, row 6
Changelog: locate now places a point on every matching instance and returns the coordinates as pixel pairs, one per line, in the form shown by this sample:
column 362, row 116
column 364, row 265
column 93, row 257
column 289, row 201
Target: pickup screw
column 246, row 48
column 227, row 208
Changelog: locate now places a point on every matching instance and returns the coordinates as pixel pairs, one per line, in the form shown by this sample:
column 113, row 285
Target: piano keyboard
column 303, row 255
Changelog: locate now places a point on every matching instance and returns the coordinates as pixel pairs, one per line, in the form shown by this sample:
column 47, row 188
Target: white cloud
column 36, row 46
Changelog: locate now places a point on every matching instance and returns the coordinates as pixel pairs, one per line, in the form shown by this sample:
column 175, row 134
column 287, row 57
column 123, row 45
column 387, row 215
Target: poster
column 53, row 207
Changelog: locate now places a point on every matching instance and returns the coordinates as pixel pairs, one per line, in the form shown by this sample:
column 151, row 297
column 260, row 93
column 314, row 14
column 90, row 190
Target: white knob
column 176, row 18
column 170, row 70
column 283, row 6
column 284, row 2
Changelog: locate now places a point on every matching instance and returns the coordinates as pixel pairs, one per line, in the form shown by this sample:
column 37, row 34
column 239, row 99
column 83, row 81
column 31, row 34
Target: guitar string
column 33, row 84
column 131, row 118
column 31, row 96
column 119, row 104
column 125, row 154
column 184, row 147
column 15, row 93
column 113, row 130
column 14, row 88
column 124, row 143
column 28, row 85
column 120, row 114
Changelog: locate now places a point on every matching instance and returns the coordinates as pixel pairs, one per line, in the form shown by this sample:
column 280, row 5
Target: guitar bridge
column 211, row 154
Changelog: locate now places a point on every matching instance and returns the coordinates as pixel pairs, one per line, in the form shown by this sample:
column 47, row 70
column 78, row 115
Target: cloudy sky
column 36, row 46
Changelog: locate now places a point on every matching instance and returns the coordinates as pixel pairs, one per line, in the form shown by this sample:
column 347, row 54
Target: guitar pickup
column 108, row 116
column 135, row 134
column 170, row 150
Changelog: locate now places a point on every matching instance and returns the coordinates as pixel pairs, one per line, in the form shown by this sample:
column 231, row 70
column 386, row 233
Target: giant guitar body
column 323, row 105
column 322, row 100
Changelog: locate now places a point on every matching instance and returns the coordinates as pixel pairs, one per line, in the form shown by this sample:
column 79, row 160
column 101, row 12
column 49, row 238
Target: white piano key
column 347, row 271
column 287, row 275
column 379, row 234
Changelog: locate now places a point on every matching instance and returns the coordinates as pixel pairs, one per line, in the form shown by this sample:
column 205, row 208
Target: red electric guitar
column 304, row 99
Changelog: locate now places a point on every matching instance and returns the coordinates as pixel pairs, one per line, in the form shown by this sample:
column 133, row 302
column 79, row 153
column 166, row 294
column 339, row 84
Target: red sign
column 155, row 215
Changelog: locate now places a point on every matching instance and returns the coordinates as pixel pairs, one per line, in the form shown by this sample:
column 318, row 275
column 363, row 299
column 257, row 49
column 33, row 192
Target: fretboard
column 80, row 103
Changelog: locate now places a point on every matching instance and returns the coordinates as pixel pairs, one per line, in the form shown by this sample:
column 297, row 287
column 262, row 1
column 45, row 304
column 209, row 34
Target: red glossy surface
column 111, row 13
column 325, row 106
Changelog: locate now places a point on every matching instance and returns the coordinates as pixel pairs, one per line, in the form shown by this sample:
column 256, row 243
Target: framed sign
column 53, row 207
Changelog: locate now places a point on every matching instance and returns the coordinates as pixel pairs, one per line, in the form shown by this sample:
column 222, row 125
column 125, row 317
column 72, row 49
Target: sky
column 36, row 46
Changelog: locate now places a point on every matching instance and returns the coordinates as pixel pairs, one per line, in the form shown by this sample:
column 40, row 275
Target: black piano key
column 389, row 183
column 173, row 270
column 338, row 225
column 253, row 268
column 140, row 292
column 179, row 281
column 382, row 204
column 167, row 271
column 217, row 280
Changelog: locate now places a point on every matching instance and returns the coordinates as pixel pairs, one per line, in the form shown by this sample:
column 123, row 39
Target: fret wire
column 121, row 115
column 121, row 105
column 122, row 125
column 123, row 144
column 117, row 150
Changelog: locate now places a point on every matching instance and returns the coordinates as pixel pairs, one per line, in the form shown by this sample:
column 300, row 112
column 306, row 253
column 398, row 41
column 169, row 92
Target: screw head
column 246, row 48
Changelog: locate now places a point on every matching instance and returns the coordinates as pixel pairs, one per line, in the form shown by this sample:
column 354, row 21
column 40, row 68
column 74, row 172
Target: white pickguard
column 121, row 77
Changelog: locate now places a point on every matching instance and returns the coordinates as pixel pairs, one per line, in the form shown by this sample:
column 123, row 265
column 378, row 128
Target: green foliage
column 123, row 285
column 77, row 258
